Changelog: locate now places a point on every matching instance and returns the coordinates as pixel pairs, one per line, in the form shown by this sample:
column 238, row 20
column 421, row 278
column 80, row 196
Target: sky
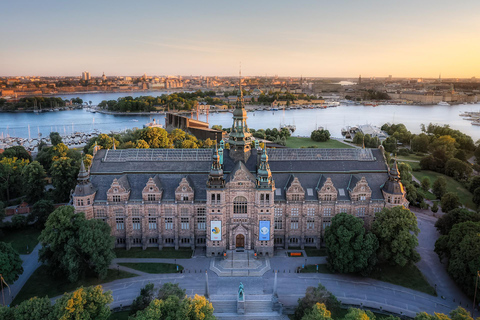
column 318, row 38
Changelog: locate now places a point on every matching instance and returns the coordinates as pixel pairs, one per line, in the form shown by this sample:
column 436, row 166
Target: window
column 201, row 240
column 120, row 223
column 136, row 223
column 185, row 240
column 116, row 198
column 169, row 211
column 80, row 202
column 294, row 223
column 310, row 211
column 152, row 223
column 310, row 223
column 185, row 223
column 137, row 241
column 153, row 240
column 278, row 221
column 120, row 240
column 295, row 197
column 327, row 197
column 376, row 210
column 240, row 205
column 309, row 240
column 135, row 212
column 168, row 223
column 201, row 219
column 278, row 241
column 326, row 223
column 215, row 198
column 169, row 241
column 100, row 213
column 294, row 212
column 184, row 197
column 88, row 201
column 293, row 240
column 152, row 211
column 151, row 197
column 360, row 212
column 264, row 199
column 327, row 212
column 118, row 212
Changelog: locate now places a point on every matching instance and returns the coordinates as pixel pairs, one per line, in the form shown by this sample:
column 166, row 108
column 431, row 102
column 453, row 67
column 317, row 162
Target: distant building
column 85, row 76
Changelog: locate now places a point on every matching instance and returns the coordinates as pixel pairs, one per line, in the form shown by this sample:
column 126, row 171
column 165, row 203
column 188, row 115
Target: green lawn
column 427, row 194
column 297, row 142
column 20, row 239
column 41, row 284
column 452, row 186
column 311, row 268
column 153, row 267
column 122, row 315
column 410, row 157
column 408, row 277
column 165, row 253
column 414, row 165
column 314, row 252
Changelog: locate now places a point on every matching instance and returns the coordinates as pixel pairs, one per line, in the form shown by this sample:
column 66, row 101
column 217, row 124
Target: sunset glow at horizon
column 286, row 38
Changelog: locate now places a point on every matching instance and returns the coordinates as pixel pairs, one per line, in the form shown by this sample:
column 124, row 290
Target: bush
column 403, row 152
column 320, row 135
column 19, row 222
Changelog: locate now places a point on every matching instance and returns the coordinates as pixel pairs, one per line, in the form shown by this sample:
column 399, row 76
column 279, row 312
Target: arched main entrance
column 240, row 241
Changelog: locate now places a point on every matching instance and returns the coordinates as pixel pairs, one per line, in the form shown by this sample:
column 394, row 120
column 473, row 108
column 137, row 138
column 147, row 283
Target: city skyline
column 313, row 39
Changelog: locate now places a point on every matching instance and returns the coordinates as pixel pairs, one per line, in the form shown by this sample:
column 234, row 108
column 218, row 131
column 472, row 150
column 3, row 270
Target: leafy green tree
column 34, row 309
column 313, row 296
column 170, row 289
column 18, row 152
column 420, row 143
column 10, row 263
column 450, row 201
column 74, row 246
column 439, row 187
column 198, row 308
column 147, row 294
column 84, row 303
column 350, row 247
column 64, row 173
column 458, row 169
column 396, row 230
column 358, row 314
column 320, row 135
column 19, row 222
column 476, row 196
column 160, row 309
column 474, row 183
column 405, row 171
column 40, row 211
column 59, row 151
column 6, row 313
column 435, row 207
column 34, row 181
column 425, row 183
column 445, row 223
column 318, row 312
column 11, row 176
column 460, row 314
column 461, row 247
column 55, row 138
column 155, row 137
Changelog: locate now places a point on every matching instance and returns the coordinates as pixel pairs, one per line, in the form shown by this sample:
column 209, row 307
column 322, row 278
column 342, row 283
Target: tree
column 40, row 212
column 87, row 160
column 405, row 171
column 358, row 314
column 420, row 143
column 11, row 176
column 350, row 247
column 445, row 223
column 141, row 144
column 155, row 137
column 439, row 187
column 474, row 183
column 313, row 296
column 64, row 173
column 18, row 152
column 74, row 246
column 425, row 183
column 34, row 181
column 147, row 294
column 458, row 169
column 34, row 309
column 462, row 249
column 450, row 201
column 10, row 263
column 320, row 135
column 460, row 314
column 198, row 308
column 170, row 289
column 318, row 312
column 55, row 138
column 83, row 303
column 396, row 230
column 209, row 143
column 476, row 197
column 6, row 313
column 435, row 207
column 160, row 309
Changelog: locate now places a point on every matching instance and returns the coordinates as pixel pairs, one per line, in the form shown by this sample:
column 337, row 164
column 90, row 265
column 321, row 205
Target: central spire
column 240, row 138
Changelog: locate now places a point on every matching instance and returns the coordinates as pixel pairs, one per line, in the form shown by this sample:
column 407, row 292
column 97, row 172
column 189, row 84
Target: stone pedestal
column 241, row 305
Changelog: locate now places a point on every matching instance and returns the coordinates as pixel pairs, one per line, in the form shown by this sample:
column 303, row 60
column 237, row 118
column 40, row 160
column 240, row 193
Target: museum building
column 241, row 197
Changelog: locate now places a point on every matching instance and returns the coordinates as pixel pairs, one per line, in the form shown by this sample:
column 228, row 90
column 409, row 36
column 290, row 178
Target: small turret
column 84, row 186
column 393, row 190
column 215, row 178
column 264, row 175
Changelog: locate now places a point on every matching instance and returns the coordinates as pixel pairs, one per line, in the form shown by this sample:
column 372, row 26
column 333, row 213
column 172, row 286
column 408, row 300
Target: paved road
column 30, row 264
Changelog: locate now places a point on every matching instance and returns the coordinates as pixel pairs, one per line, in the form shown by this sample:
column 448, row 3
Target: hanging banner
column 264, row 234
column 216, row 230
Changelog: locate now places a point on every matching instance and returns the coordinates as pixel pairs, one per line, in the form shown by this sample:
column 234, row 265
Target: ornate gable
column 152, row 191
column 328, row 192
column 241, row 177
column 184, row 191
column 361, row 191
column 295, row 192
column 118, row 192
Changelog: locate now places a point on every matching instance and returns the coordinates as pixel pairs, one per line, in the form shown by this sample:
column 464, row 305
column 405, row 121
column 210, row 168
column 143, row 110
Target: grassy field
column 165, row 253
column 410, row 157
column 122, row 315
column 408, row 277
column 153, row 267
column 20, row 239
column 297, row 142
column 314, row 252
column 427, row 194
column 452, row 186
column 41, row 284
column 311, row 268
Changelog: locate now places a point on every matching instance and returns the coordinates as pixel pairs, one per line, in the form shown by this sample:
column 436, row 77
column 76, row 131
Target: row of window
column 121, row 241
column 152, row 223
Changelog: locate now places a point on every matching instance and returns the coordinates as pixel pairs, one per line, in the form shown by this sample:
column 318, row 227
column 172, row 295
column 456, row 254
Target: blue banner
column 264, row 234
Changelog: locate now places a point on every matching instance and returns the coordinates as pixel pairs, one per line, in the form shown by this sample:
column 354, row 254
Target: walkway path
column 30, row 264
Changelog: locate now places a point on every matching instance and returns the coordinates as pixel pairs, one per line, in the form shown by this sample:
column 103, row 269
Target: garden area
column 299, row 142
column 165, row 253
column 154, row 267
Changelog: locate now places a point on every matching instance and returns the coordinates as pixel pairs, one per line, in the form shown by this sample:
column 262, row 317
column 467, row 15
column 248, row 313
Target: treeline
column 30, row 102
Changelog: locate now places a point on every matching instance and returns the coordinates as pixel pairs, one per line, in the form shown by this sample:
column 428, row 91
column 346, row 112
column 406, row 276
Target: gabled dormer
column 119, row 190
column 295, row 191
column 153, row 189
column 327, row 192
column 358, row 189
column 184, row 191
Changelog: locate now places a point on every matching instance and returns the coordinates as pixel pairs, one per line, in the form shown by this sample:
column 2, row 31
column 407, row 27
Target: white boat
column 443, row 103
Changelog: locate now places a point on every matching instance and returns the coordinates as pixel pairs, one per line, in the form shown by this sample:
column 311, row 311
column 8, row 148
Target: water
column 306, row 120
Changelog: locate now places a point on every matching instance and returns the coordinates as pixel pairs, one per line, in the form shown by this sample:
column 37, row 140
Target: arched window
column 240, row 205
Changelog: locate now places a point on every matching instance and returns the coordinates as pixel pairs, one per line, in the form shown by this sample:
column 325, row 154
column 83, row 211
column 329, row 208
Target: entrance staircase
column 240, row 264
column 256, row 307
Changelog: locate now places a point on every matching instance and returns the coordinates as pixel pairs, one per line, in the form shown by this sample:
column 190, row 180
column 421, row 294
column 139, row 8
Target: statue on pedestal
column 240, row 291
